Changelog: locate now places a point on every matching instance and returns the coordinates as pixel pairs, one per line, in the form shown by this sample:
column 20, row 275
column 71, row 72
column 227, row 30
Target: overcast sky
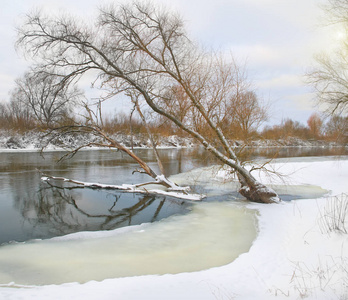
column 277, row 38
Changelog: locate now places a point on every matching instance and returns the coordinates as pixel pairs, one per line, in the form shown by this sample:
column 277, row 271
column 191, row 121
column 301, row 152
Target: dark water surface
column 32, row 209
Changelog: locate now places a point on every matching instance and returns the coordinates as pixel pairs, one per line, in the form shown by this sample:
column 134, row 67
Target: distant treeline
column 15, row 118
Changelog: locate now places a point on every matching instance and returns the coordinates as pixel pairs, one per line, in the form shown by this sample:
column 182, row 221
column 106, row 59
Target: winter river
column 53, row 235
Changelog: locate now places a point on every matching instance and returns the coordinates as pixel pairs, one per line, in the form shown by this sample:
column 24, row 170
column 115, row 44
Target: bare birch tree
column 143, row 49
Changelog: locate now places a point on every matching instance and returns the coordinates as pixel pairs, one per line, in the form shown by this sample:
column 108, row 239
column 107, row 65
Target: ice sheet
column 213, row 234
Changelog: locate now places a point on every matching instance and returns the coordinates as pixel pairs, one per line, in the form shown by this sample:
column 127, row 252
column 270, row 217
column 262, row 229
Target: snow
column 291, row 258
column 181, row 192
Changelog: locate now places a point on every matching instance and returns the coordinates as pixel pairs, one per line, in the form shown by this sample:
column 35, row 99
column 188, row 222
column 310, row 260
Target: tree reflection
column 57, row 210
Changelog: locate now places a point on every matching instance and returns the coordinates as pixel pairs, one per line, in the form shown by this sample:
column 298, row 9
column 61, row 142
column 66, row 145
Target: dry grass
column 334, row 216
column 329, row 274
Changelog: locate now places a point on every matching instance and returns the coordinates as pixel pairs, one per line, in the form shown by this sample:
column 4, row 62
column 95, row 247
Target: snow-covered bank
column 291, row 258
column 34, row 140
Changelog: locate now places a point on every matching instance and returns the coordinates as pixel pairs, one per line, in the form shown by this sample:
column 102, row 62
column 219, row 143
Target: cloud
column 282, row 81
column 303, row 101
column 6, row 84
column 257, row 55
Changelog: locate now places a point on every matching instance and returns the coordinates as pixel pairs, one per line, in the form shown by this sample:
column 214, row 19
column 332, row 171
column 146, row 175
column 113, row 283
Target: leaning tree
column 144, row 51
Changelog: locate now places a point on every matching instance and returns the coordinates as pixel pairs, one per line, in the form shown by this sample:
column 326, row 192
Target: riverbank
column 34, row 141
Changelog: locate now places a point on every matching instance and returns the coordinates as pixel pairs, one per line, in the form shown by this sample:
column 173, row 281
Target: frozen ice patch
column 212, row 235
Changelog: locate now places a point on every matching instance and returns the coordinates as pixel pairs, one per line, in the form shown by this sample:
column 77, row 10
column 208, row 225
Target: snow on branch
column 172, row 191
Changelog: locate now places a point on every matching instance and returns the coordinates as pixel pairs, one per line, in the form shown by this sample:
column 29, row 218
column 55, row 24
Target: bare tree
column 337, row 129
column 135, row 101
column 315, row 125
column 330, row 81
column 337, row 11
column 246, row 114
column 16, row 116
column 330, row 77
column 47, row 100
column 229, row 100
column 143, row 49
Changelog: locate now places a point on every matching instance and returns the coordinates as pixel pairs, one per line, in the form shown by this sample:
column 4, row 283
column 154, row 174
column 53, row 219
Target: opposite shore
column 34, row 141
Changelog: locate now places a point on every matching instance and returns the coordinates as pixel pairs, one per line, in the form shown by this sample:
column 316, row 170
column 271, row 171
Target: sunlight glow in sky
column 277, row 40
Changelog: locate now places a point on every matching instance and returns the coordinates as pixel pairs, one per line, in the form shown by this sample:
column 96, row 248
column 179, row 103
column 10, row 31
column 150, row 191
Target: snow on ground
column 292, row 257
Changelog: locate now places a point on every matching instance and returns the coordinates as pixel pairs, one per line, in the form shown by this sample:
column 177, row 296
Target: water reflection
column 251, row 153
column 296, row 152
column 56, row 210
column 53, row 210
column 31, row 209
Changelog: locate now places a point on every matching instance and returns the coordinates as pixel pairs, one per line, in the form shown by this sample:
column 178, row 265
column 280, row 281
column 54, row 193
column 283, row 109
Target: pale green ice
column 213, row 234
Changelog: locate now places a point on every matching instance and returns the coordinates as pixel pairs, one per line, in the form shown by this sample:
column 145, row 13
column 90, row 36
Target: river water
column 31, row 209
column 175, row 235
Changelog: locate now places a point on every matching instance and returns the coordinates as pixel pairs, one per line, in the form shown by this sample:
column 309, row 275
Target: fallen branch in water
column 174, row 191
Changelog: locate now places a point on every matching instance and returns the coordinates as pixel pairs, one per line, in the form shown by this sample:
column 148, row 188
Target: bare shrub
column 333, row 217
column 329, row 274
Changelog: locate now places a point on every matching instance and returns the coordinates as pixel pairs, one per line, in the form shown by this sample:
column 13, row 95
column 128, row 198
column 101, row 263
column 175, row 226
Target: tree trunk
column 154, row 147
column 255, row 191
column 258, row 192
